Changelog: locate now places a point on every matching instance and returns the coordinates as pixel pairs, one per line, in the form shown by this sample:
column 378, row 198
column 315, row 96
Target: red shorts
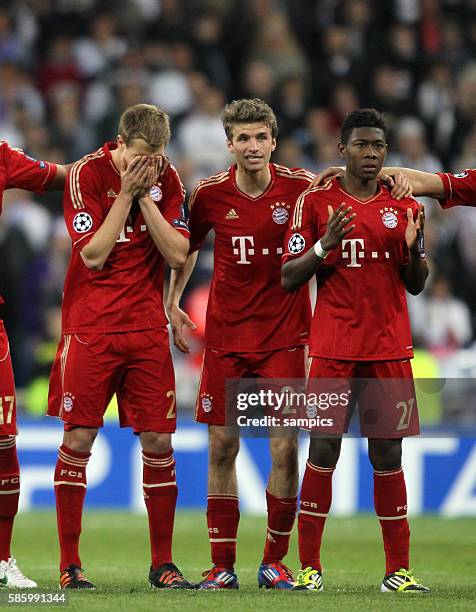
column 383, row 390
column 136, row 366
column 8, row 405
column 218, row 367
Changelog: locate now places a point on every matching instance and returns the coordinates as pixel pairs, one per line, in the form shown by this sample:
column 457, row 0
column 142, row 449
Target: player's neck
column 253, row 183
column 359, row 188
column 116, row 159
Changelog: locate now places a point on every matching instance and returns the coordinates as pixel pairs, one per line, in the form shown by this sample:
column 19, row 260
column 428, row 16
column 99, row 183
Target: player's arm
column 173, row 245
column 416, row 272
column 422, row 183
column 297, row 272
column 57, row 184
column 134, row 178
column 177, row 317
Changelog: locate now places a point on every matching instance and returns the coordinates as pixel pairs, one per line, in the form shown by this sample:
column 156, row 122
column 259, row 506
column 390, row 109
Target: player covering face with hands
column 365, row 249
column 124, row 213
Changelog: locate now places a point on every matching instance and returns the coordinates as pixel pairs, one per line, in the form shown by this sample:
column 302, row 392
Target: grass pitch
column 115, row 554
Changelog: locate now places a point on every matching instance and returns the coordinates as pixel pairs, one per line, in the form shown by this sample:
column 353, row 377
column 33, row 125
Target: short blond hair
column 248, row 110
column 145, row 121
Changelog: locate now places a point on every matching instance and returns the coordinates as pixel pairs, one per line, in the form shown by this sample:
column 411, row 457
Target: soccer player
column 451, row 189
column 124, row 225
column 19, row 171
column 365, row 251
column 253, row 328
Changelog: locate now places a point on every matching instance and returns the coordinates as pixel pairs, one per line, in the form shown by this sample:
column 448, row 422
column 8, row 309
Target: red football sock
column 160, row 494
column 223, row 516
column 9, row 492
column 281, row 515
column 70, row 491
column 390, row 500
column 316, row 498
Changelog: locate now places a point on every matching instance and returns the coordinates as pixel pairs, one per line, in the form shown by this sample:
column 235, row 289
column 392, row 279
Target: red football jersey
column 18, row 171
column 127, row 294
column 248, row 311
column 361, row 309
column 460, row 188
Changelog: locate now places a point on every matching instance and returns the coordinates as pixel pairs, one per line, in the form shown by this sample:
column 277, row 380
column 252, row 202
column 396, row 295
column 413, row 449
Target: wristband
column 319, row 251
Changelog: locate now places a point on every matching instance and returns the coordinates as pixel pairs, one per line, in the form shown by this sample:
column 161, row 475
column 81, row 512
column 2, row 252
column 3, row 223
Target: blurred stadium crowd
column 68, row 68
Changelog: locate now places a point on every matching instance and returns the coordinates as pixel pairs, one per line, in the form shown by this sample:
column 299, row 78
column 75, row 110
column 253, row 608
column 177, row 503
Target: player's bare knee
column 385, row 455
column 325, row 452
column 155, row 442
column 223, row 448
column 80, row 439
column 284, row 455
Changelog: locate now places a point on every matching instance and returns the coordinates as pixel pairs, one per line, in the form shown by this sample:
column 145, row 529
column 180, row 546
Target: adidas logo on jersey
column 231, row 214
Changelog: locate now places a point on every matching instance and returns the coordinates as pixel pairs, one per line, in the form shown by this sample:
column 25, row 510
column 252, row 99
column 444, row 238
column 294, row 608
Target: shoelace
column 14, row 570
column 409, row 574
column 287, row 571
column 303, row 573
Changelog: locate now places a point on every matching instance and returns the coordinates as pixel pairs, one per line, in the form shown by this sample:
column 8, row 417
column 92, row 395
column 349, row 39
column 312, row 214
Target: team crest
column 82, row 222
column 296, row 244
column 461, row 175
column 206, row 401
column 389, row 217
column 156, row 193
column 311, row 411
column 280, row 212
column 68, row 399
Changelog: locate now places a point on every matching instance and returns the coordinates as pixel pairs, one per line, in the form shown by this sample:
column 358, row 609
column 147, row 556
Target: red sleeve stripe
column 74, row 185
column 297, row 217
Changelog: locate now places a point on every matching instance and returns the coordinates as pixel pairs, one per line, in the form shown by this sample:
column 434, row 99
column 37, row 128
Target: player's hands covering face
column 339, row 224
column 138, row 176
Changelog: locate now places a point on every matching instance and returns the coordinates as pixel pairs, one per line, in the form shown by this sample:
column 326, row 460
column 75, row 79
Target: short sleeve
column 460, row 188
column 199, row 221
column 172, row 203
column 82, row 204
column 302, row 231
column 24, row 172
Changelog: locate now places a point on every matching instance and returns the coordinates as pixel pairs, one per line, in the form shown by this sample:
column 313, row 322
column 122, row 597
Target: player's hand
column 326, row 175
column 399, row 183
column 136, row 175
column 339, row 224
column 178, row 320
column 414, row 231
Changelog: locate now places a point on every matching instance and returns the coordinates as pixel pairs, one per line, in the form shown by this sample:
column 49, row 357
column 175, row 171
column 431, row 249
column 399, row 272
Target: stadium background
column 67, row 70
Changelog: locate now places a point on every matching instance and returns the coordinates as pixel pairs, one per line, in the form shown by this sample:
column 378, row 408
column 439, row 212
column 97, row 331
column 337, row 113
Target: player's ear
column 229, row 145
column 273, row 146
column 341, row 148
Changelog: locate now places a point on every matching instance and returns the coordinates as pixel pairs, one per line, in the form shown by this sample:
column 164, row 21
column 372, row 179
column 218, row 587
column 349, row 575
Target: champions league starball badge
column 296, row 244
column 82, row 222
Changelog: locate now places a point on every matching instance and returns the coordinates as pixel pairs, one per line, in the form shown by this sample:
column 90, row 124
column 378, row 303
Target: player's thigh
column 387, row 401
column 84, row 377
column 7, row 388
column 219, row 370
column 146, row 395
column 329, row 395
